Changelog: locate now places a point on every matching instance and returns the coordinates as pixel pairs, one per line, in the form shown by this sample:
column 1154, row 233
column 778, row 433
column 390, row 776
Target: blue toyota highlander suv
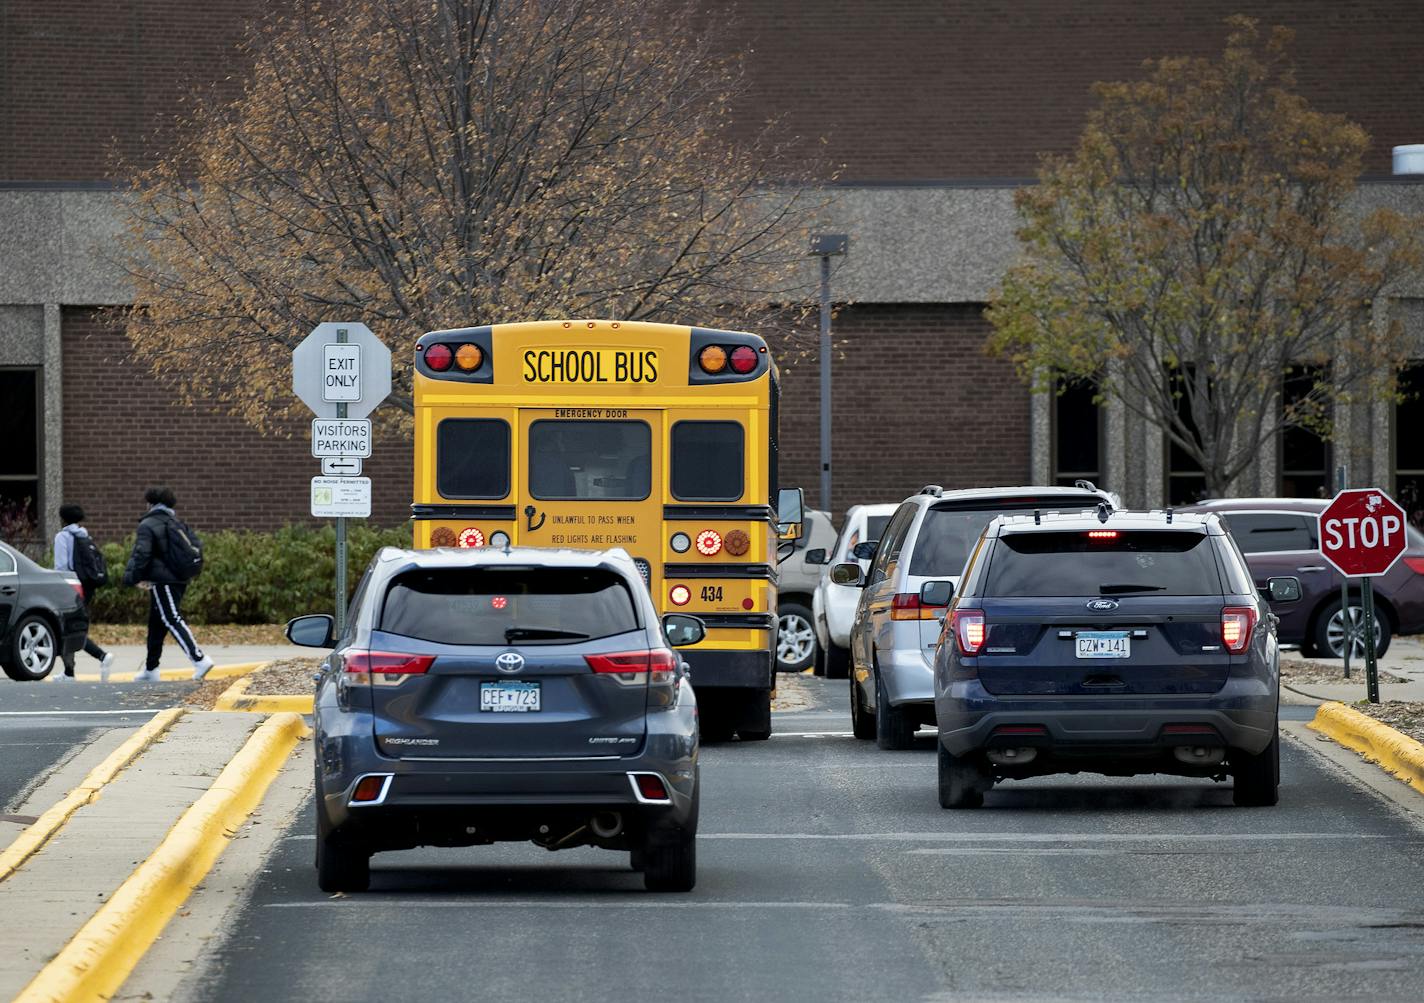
column 1108, row 642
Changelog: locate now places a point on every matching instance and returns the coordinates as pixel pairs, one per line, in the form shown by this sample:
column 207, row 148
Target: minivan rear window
column 508, row 605
column 1076, row 564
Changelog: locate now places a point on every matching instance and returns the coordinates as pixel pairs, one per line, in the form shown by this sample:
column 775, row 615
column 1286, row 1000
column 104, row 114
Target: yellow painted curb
column 1392, row 750
column 173, row 675
column 235, row 698
column 96, row 962
column 39, row 832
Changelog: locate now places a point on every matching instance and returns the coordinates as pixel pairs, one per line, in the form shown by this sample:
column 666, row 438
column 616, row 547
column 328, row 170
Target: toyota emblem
column 1102, row 605
column 509, row 661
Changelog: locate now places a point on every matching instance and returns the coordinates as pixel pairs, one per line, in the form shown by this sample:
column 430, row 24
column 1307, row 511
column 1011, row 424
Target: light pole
column 826, row 245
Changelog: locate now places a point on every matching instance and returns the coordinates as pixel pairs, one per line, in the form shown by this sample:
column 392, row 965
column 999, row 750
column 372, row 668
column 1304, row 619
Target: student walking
column 75, row 552
column 166, row 556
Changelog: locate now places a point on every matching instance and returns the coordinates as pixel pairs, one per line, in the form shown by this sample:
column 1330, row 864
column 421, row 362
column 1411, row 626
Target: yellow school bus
column 592, row 434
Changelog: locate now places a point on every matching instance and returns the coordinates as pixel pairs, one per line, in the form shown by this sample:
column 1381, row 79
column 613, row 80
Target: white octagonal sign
column 341, row 364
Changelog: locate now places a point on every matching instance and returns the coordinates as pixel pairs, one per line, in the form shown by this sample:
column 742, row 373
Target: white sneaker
column 105, row 664
column 147, row 676
column 62, row 678
column 200, row 669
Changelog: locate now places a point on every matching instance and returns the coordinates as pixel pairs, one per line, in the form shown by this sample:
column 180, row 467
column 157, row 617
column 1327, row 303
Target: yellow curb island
column 235, row 698
column 1392, row 750
column 96, row 962
column 173, row 675
column 39, row 832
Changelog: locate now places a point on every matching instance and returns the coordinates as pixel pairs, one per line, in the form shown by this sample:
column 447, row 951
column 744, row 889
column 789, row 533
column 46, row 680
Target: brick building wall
column 902, row 89
column 123, row 432
column 916, row 401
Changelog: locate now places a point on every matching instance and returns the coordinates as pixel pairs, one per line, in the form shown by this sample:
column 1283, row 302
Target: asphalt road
column 828, row 872
column 43, row 724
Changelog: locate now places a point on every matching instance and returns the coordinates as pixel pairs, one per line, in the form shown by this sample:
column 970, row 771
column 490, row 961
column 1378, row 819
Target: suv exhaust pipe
column 606, row 824
column 1199, row 755
column 1012, row 757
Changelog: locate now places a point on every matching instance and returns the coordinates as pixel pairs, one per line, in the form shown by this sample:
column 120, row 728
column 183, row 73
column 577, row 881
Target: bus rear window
column 472, row 458
column 708, row 458
column 595, row 460
column 523, row 606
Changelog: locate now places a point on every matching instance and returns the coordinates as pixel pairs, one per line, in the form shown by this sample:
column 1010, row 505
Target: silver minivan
column 897, row 621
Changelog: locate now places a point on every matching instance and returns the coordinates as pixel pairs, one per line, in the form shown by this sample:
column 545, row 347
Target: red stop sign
column 1362, row 532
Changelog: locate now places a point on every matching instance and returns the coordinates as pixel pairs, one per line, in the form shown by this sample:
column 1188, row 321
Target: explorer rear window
column 1076, row 563
column 508, row 605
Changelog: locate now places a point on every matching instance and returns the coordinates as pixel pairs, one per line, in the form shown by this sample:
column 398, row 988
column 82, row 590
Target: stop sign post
column 1362, row 535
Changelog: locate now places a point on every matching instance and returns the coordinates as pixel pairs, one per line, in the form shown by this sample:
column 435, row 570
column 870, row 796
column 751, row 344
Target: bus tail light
column 709, row 543
column 679, row 595
column 470, row 536
column 712, row 359
column 439, row 357
column 969, row 629
column 1236, row 625
column 468, row 357
column 744, row 359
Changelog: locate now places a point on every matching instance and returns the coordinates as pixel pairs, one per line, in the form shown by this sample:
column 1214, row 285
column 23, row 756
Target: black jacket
column 149, row 560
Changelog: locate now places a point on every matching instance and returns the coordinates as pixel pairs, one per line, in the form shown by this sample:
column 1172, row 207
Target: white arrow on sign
column 341, row 466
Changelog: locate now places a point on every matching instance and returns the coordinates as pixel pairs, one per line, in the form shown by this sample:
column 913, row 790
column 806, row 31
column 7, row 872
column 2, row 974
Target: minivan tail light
column 389, row 663
column 658, row 664
column 1416, row 564
column 969, row 629
column 1237, row 623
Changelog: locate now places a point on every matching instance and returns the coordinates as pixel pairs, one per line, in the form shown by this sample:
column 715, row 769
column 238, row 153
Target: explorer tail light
column 1237, row 622
column 388, row 663
column 969, row 630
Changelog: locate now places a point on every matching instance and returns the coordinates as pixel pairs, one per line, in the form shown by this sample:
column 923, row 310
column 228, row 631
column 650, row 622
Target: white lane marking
column 1066, row 851
column 71, row 713
column 1048, row 837
column 812, row 734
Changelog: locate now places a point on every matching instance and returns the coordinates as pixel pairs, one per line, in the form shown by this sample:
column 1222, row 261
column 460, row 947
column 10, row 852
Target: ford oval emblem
column 513, row 661
column 1102, row 605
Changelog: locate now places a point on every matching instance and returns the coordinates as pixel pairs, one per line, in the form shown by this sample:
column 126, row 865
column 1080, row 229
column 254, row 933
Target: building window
column 20, row 460
column 1077, row 433
column 1186, row 481
column 1305, row 455
column 1409, row 444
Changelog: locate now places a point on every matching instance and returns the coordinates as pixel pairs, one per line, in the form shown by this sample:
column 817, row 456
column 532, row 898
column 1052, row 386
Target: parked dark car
column 1121, row 644
column 1280, row 536
column 42, row 616
column 486, row 695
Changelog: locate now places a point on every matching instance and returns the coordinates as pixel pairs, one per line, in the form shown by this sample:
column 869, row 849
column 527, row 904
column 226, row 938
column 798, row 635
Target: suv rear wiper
column 541, row 633
column 1114, row 590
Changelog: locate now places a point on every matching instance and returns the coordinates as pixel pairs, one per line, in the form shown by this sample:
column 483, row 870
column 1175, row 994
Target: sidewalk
column 81, row 866
column 129, row 658
column 1405, row 658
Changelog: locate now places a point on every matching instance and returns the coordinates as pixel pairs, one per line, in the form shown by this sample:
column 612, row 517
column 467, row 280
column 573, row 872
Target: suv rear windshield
column 507, row 606
column 948, row 535
column 1075, row 564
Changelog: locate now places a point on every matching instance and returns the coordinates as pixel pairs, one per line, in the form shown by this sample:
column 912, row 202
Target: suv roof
column 1303, row 505
column 462, row 557
column 1155, row 521
column 934, row 493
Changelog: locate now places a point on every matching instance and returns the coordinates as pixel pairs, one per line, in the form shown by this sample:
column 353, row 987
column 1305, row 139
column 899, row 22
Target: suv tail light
column 1237, row 622
column 1416, row 564
column 388, row 663
column 969, row 629
column 907, row 606
column 656, row 666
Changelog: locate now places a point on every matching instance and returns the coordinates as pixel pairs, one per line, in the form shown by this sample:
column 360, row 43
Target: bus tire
column 756, row 717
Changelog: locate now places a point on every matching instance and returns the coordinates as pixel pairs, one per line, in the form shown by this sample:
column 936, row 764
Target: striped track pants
column 165, row 617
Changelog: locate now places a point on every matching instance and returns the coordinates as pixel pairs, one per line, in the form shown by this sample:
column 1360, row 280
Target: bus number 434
column 711, row 593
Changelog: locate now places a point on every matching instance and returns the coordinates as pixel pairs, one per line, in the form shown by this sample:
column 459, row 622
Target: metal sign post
column 341, row 372
column 341, row 336
column 1371, row 668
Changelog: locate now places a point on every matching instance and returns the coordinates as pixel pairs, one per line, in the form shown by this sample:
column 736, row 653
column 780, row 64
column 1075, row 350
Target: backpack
column 88, row 562
column 182, row 550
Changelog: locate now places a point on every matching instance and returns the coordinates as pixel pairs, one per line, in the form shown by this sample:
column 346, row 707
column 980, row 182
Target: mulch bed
column 1305, row 670
column 285, row 676
column 208, row 635
column 1401, row 715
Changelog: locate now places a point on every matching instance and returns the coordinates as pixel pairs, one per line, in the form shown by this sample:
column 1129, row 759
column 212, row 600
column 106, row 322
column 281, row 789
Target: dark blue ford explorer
column 1108, row 642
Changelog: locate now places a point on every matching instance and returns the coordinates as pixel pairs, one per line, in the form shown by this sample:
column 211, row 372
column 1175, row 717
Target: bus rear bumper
column 712, row 669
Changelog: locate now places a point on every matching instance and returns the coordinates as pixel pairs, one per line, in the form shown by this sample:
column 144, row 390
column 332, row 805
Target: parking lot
column 827, row 871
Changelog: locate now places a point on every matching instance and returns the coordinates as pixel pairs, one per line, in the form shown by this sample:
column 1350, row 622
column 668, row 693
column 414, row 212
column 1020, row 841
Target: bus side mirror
column 790, row 513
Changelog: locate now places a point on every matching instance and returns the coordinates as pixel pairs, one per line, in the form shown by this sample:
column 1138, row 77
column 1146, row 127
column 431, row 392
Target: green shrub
column 253, row 577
